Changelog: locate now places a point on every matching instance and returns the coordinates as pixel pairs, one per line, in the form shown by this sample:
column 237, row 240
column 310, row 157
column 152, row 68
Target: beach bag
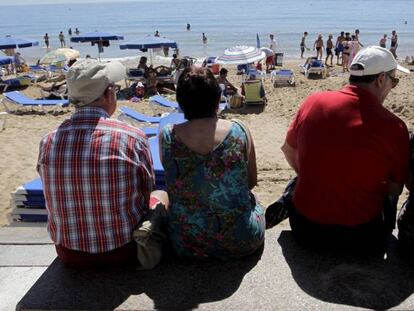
column 150, row 237
column 279, row 210
column 236, row 101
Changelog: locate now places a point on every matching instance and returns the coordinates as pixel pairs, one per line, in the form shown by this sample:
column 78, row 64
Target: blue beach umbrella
column 96, row 37
column 5, row 60
column 9, row 42
column 148, row 42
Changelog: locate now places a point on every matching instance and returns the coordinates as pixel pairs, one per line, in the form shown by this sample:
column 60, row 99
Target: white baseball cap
column 87, row 79
column 374, row 60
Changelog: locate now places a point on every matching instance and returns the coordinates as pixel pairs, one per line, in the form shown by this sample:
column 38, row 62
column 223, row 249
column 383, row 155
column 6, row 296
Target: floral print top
column 212, row 212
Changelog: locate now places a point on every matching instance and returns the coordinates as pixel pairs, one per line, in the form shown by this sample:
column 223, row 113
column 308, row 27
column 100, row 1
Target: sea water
column 226, row 23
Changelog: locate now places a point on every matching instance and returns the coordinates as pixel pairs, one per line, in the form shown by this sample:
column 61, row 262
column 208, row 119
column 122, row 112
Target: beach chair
column 133, row 74
column 283, row 77
column 242, row 69
column 21, row 100
column 253, row 92
column 313, row 66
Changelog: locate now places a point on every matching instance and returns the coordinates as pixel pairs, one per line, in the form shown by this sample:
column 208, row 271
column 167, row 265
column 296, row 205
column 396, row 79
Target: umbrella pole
column 151, row 57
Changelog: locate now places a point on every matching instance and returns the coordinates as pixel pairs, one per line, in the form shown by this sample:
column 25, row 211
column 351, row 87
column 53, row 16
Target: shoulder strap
column 243, row 127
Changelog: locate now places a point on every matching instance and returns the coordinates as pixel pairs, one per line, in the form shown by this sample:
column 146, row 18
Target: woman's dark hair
column 143, row 60
column 198, row 93
column 223, row 71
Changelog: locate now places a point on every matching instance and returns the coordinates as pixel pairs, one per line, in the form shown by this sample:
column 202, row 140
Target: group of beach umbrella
column 234, row 55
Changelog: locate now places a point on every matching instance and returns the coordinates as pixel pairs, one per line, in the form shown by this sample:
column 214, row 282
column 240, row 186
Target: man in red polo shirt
column 349, row 153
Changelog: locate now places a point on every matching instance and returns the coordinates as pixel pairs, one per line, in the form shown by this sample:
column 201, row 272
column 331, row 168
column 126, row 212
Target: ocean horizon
column 225, row 23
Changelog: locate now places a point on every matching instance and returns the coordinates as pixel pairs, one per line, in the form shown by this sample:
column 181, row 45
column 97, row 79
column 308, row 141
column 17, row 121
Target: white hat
column 140, row 84
column 374, row 60
column 87, row 79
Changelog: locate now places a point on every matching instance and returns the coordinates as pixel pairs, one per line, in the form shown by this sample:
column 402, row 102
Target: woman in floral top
column 210, row 169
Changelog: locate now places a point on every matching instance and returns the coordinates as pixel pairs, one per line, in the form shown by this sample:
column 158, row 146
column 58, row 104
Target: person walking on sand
column 394, row 43
column 339, row 47
column 357, row 37
column 270, row 60
column 383, row 41
column 354, row 48
column 343, row 197
column 303, row 44
column 329, row 47
column 62, row 39
column 46, row 39
column 318, row 45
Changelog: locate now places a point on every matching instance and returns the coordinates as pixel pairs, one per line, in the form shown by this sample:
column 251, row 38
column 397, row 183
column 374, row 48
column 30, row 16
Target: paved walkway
column 283, row 276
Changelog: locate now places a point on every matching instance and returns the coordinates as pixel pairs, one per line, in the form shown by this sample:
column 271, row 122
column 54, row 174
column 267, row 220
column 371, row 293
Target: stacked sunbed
column 28, row 202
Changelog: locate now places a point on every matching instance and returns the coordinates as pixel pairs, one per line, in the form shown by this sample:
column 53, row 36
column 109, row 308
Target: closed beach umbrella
column 240, row 55
column 148, row 43
column 6, row 60
column 59, row 55
column 96, row 37
column 10, row 42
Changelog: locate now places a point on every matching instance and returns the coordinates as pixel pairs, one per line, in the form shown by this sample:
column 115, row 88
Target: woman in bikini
column 318, row 45
column 347, row 51
column 394, row 44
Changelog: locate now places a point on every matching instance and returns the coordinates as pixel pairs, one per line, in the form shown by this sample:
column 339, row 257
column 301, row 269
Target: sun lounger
column 28, row 202
column 283, row 76
column 136, row 75
column 22, row 100
column 138, row 116
column 313, row 66
column 162, row 101
column 150, row 131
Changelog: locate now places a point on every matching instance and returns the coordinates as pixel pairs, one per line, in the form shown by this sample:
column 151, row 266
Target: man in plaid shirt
column 97, row 173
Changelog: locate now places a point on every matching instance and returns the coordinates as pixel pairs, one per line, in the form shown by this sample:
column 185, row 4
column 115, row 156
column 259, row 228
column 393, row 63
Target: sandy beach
column 19, row 142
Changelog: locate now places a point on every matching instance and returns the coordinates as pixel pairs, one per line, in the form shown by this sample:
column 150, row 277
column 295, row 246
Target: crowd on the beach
column 350, row 154
column 347, row 45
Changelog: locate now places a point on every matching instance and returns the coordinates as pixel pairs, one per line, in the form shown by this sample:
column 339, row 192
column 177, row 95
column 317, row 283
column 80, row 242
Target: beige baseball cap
column 87, row 79
column 374, row 60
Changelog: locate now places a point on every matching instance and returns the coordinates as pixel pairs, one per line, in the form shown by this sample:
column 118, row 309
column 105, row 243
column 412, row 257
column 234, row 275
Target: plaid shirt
column 97, row 178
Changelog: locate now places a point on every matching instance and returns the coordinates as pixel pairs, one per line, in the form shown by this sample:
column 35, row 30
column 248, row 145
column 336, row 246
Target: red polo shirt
column 348, row 146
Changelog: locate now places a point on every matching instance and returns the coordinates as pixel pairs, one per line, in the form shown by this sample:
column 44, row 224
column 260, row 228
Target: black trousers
column 371, row 236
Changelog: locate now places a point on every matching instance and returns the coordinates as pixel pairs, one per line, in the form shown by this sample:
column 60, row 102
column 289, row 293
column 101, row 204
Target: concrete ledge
column 284, row 277
column 26, row 255
column 24, row 235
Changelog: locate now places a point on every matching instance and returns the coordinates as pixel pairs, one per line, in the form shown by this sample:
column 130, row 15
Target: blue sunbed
column 129, row 112
column 162, row 101
column 20, row 99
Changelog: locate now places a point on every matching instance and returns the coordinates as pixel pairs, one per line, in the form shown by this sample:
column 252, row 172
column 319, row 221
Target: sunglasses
column 394, row 80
